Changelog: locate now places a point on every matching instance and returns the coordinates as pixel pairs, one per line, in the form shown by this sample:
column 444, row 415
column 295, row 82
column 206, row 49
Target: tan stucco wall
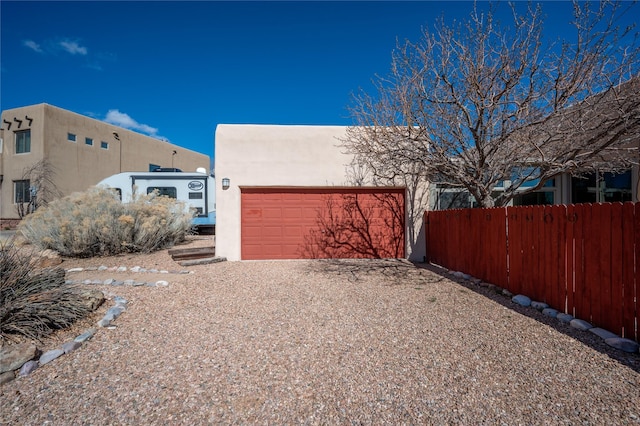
column 272, row 155
column 77, row 165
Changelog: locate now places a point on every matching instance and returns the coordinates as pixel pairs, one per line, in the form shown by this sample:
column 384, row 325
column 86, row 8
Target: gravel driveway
column 326, row 342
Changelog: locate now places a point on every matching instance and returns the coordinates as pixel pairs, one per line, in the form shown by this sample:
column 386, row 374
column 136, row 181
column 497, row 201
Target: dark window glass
column 533, row 199
column 617, row 187
column 583, row 189
column 21, row 191
column 195, row 195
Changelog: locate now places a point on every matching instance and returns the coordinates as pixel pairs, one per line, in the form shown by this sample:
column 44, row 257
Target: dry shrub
column 95, row 222
column 35, row 302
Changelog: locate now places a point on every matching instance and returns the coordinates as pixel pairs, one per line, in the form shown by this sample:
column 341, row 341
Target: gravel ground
column 323, row 342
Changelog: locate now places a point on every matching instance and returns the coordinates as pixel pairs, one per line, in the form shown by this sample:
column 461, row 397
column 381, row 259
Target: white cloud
column 33, row 45
column 121, row 119
column 73, row 47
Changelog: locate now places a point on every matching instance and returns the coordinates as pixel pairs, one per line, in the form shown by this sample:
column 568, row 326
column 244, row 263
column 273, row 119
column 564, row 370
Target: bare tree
column 42, row 187
column 479, row 104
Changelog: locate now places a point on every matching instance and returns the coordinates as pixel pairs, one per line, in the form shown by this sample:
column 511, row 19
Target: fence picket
column 514, row 250
column 612, row 313
column 628, row 277
column 570, row 257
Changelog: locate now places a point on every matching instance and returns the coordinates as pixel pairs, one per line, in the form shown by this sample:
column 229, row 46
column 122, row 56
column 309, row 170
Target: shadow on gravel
column 589, row 339
column 396, row 271
column 403, row 272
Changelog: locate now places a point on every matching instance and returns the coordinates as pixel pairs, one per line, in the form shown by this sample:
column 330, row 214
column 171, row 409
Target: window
column 104, row 145
column 195, row 195
column 601, row 187
column 88, row 141
column 165, row 191
column 536, row 198
column 71, row 137
column 23, row 141
column 153, row 167
column 21, row 193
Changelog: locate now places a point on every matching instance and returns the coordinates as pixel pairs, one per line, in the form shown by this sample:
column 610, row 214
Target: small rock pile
column 611, row 339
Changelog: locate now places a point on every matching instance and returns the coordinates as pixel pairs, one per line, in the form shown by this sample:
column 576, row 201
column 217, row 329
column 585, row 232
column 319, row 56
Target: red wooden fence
column 580, row 259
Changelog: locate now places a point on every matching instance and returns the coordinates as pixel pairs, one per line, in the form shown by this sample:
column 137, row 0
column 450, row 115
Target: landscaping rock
column 580, row 324
column 114, row 312
column 539, row 305
column 626, row 345
column 602, row 333
column 92, row 298
column 85, row 336
column 71, row 346
column 506, row 292
column 28, row 368
column 104, row 322
column 566, row 318
column 162, row 283
column 75, row 270
column 13, row 357
column 521, row 300
column 6, row 377
column 49, row 356
column 550, row 312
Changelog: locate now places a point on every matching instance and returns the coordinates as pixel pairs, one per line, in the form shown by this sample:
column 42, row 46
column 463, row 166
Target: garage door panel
column 296, row 223
column 292, row 232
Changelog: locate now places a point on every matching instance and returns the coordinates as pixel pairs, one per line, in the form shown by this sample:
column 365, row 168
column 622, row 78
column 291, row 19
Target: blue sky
column 174, row 70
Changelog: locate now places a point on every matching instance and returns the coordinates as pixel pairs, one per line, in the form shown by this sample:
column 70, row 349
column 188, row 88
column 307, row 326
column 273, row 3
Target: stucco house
column 284, row 192
column 80, row 150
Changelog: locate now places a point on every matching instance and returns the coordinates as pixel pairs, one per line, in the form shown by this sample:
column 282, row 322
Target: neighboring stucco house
column 284, row 192
column 80, row 150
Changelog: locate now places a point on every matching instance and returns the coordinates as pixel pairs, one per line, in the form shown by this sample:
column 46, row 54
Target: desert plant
column 95, row 222
column 34, row 302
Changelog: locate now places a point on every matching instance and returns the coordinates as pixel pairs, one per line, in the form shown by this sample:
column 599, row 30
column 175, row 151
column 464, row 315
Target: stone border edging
column 611, row 339
column 122, row 269
column 120, row 306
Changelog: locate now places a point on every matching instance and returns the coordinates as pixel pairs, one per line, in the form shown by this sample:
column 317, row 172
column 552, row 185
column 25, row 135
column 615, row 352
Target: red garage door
column 308, row 223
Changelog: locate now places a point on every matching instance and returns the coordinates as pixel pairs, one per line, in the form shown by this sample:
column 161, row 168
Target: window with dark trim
column 71, row 137
column 88, row 141
column 21, row 193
